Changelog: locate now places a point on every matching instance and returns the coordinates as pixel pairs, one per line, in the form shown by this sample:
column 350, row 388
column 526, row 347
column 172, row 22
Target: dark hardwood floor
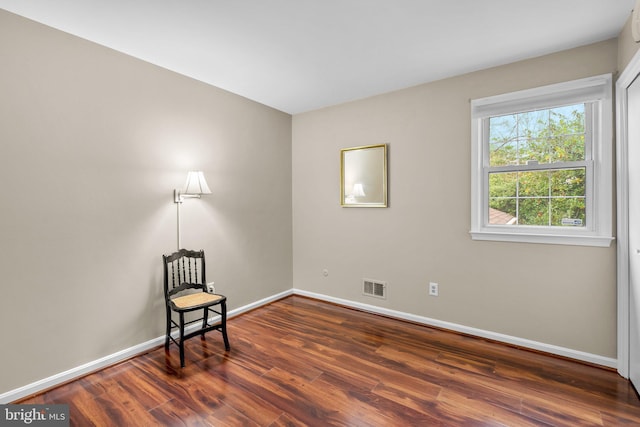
column 304, row 362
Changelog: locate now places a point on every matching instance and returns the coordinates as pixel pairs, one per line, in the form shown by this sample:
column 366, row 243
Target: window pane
column 544, row 136
column 503, row 211
column 503, row 184
column 503, row 146
column 502, row 198
column 534, row 149
column 567, row 183
column 533, row 184
column 568, row 212
column 534, row 211
column 568, row 203
column 567, row 120
column 567, row 148
column 533, row 124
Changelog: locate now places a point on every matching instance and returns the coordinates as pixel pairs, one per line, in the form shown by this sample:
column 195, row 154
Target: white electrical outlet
column 210, row 288
column 433, row 289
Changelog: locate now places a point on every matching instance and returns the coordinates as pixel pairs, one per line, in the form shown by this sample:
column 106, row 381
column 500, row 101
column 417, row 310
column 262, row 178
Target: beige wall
column 92, row 142
column 559, row 295
column 627, row 47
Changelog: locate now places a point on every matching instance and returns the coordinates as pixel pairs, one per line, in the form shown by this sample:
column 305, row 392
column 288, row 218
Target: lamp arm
column 178, row 196
column 178, row 216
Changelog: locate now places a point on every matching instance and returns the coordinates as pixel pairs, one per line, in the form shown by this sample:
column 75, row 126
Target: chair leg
column 223, row 324
column 166, row 340
column 205, row 317
column 181, row 340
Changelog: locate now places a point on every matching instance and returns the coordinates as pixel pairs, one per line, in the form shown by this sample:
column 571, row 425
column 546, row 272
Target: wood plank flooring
column 304, row 362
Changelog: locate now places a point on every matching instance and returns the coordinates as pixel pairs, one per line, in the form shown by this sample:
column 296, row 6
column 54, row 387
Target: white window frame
column 595, row 91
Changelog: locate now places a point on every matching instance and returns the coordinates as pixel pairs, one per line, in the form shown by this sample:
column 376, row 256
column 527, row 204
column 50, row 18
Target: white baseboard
column 520, row 342
column 112, row 359
column 77, row 372
column 260, row 303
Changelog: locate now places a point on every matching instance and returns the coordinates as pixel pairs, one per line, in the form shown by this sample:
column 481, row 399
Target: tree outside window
column 548, row 197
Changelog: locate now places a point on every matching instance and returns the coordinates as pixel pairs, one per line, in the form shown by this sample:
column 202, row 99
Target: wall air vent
column 374, row 288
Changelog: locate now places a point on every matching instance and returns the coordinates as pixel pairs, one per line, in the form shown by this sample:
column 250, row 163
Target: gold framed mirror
column 363, row 176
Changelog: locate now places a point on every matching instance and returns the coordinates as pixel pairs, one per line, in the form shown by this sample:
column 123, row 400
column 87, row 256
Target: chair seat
column 195, row 300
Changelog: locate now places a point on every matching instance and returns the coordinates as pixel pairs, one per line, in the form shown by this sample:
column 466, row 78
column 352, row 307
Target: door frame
column 631, row 71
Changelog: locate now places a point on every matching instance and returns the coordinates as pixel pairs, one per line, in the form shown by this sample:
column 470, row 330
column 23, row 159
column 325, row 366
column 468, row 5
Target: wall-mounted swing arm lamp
column 195, row 187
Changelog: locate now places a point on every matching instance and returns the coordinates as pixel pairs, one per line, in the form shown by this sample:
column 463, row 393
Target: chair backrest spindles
column 173, row 275
column 187, row 270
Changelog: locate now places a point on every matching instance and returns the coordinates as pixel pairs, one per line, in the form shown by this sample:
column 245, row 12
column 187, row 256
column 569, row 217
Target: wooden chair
column 185, row 290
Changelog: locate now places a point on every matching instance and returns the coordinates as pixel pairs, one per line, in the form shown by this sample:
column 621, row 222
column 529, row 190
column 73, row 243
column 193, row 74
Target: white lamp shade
column 196, row 184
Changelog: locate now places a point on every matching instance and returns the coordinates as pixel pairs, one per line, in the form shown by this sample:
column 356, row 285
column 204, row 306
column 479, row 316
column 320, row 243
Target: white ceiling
column 300, row 55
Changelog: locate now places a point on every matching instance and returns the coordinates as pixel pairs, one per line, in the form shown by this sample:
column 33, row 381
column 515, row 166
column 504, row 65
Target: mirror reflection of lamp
column 358, row 191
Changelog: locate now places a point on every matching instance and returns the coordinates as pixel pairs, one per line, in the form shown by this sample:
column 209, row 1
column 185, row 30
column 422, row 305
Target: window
column 542, row 164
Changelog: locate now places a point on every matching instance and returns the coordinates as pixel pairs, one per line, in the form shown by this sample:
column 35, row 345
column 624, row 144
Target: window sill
column 550, row 239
